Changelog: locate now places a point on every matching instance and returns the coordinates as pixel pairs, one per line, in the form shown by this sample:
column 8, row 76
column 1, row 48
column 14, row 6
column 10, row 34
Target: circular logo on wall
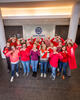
column 38, row 30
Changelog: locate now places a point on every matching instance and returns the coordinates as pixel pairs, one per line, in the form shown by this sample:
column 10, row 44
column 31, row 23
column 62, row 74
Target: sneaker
column 58, row 74
column 12, row 79
column 17, row 74
column 41, row 74
column 24, row 74
column 44, row 75
column 28, row 74
column 35, row 74
column 53, row 78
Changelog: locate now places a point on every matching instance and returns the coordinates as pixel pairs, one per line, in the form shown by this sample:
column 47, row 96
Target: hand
column 55, row 52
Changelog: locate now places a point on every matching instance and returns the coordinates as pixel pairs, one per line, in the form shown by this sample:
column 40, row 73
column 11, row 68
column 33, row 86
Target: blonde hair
column 54, row 48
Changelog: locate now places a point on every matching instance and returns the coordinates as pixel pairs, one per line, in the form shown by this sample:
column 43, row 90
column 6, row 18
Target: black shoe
column 68, row 76
column 33, row 74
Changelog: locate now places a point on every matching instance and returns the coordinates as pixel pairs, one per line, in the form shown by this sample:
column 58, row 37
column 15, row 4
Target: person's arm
column 50, row 54
column 27, row 52
column 75, row 45
column 62, row 40
column 30, row 52
column 8, row 53
column 4, row 51
column 60, row 56
column 52, row 39
column 38, row 53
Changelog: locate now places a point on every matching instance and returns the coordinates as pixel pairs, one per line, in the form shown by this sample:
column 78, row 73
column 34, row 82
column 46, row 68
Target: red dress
column 71, row 56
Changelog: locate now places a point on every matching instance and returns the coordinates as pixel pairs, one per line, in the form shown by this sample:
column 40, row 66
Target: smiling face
column 24, row 46
column 51, row 44
column 8, row 44
column 64, row 48
column 13, row 40
column 44, row 47
column 69, row 45
column 54, row 49
column 13, row 48
column 18, row 42
column 34, row 46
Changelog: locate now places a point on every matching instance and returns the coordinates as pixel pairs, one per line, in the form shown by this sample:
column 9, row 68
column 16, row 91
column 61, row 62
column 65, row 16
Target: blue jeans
column 34, row 64
column 53, row 71
column 26, row 65
column 48, row 65
column 13, row 66
column 64, row 66
column 43, row 66
column 60, row 66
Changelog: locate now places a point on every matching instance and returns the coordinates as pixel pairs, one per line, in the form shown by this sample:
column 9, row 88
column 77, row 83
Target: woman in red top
column 56, row 40
column 25, row 59
column 54, row 58
column 14, row 59
column 71, row 57
column 64, row 62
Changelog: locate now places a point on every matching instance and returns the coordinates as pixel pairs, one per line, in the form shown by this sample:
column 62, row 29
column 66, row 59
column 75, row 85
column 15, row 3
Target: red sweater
column 54, row 59
column 25, row 55
column 13, row 57
column 50, row 50
column 65, row 57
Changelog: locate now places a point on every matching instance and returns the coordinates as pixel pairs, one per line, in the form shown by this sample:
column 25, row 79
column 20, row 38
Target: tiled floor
column 30, row 88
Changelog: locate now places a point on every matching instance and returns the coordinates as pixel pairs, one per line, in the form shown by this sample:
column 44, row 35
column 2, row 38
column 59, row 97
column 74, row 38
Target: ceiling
column 5, row 1
column 37, row 3
column 22, row 9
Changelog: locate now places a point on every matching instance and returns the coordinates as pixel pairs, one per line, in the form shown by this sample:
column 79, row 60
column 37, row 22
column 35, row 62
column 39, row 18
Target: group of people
column 55, row 54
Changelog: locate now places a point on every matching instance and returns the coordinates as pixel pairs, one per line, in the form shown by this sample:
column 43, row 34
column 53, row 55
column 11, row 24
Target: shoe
column 44, row 75
column 17, row 74
column 58, row 74
column 68, row 76
column 24, row 74
column 28, row 74
column 12, row 79
column 63, row 77
column 53, row 78
column 33, row 74
column 41, row 74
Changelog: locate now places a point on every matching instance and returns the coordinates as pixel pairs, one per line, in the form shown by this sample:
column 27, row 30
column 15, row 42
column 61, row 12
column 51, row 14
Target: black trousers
column 9, row 63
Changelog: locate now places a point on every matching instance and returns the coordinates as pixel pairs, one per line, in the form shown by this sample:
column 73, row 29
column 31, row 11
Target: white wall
column 47, row 30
